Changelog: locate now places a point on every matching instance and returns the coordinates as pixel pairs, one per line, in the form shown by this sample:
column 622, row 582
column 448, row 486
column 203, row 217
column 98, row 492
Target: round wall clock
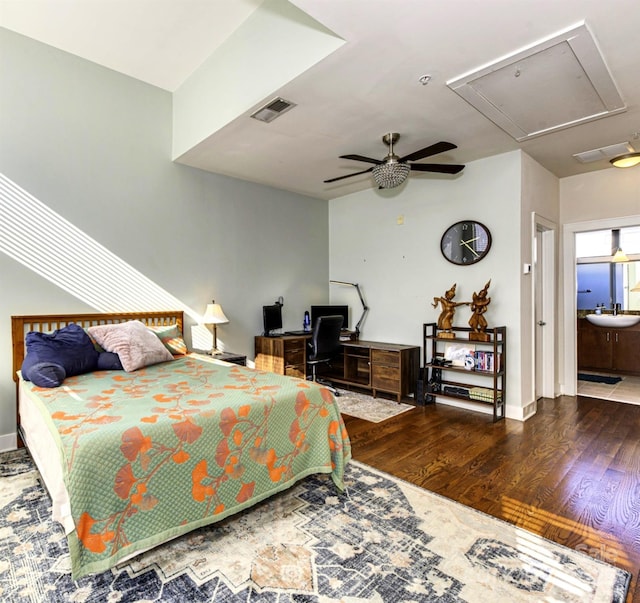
column 465, row 242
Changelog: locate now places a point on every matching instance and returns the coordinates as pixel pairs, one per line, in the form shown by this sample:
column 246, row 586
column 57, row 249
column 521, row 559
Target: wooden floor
column 570, row 474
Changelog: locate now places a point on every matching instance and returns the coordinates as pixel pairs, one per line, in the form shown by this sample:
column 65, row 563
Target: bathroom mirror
column 601, row 279
column 608, row 283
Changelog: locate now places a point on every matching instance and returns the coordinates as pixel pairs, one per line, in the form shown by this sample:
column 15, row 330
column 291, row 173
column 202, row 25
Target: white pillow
column 135, row 345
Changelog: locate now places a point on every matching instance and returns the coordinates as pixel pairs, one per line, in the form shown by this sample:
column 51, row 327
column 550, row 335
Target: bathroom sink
column 609, row 320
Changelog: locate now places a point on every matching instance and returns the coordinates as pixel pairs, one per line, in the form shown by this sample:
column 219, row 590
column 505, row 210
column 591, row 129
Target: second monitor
column 329, row 310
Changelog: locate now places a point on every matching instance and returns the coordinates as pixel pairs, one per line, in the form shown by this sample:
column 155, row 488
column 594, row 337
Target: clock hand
column 470, row 248
column 469, row 241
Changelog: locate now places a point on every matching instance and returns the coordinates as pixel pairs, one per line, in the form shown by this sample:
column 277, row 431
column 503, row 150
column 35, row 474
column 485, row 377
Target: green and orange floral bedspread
column 153, row 454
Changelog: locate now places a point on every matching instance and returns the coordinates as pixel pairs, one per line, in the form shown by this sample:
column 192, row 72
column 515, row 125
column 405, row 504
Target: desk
column 284, row 354
column 372, row 365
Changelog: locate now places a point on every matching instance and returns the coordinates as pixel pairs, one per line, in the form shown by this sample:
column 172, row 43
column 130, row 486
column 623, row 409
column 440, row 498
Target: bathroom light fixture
column 619, row 256
column 626, row 160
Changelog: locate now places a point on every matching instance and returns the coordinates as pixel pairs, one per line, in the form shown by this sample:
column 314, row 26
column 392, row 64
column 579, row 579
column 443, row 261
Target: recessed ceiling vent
column 557, row 83
column 613, row 150
column 273, row 109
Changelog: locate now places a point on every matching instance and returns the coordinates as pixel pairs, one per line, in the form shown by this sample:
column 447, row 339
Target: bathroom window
column 630, row 240
column 593, row 244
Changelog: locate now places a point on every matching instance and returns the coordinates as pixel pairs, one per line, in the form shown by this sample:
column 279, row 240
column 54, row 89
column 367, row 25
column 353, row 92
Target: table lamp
column 214, row 316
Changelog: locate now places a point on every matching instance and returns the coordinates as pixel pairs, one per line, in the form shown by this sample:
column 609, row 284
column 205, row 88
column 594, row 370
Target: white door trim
column 545, row 269
column 569, row 385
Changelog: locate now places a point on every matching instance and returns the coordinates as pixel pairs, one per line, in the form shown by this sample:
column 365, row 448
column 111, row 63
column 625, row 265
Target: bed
column 133, row 459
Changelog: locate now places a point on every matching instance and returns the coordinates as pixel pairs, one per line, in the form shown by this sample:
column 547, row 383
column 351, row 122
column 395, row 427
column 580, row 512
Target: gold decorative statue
column 445, row 320
column 477, row 321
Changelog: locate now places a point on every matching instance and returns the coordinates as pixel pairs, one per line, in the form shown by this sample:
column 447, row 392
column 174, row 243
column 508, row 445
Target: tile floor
column 627, row 390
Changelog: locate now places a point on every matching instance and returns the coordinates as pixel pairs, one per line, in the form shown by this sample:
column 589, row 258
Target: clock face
column 465, row 242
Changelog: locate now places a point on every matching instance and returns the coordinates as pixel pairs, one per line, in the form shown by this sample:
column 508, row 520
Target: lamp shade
column 619, row 256
column 214, row 315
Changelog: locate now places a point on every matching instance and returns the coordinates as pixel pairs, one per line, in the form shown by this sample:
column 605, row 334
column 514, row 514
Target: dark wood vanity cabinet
column 626, row 350
column 604, row 348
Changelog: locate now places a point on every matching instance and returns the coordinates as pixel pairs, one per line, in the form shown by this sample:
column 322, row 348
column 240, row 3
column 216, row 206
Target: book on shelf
column 486, row 361
column 484, row 394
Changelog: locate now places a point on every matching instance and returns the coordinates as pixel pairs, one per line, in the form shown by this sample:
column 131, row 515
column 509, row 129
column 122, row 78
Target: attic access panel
column 560, row 82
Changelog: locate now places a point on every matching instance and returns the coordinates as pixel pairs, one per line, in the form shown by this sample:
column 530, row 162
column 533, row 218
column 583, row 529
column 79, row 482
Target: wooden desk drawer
column 294, row 357
column 292, row 345
column 385, row 378
column 385, row 357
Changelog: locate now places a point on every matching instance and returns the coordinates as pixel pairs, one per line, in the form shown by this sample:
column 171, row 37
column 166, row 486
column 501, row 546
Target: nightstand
column 231, row 357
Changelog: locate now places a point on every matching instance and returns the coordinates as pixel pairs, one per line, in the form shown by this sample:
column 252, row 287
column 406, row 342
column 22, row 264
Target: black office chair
column 324, row 344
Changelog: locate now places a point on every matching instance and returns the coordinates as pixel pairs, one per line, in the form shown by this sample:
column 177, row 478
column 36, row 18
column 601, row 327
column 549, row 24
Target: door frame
column 544, row 271
column 569, row 372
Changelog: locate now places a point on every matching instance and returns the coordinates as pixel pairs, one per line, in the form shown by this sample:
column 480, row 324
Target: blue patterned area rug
column 382, row 541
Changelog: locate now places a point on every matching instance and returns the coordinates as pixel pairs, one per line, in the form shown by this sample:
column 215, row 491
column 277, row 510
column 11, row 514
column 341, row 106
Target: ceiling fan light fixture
column 626, row 160
column 391, row 174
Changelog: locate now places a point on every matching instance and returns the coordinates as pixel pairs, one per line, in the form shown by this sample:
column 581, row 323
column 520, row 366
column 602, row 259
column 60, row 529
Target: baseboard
column 521, row 413
column 8, row 441
column 529, row 410
column 511, row 412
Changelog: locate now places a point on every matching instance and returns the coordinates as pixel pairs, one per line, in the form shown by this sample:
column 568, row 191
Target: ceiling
column 367, row 87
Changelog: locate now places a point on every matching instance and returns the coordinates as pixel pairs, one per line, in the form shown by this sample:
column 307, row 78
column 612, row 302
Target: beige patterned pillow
column 135, row 345
column 171, row 337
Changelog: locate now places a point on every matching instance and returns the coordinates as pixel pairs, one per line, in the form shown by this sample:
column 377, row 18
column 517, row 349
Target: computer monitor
column 272, row 318
column 329, row 310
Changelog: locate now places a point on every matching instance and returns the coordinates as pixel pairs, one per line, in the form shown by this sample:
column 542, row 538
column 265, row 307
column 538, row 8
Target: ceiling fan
column 392, row 171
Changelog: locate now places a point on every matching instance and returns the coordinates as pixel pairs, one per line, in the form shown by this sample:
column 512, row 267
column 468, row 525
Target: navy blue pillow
column 109, row 361
column 70, row 348
column 44, row 374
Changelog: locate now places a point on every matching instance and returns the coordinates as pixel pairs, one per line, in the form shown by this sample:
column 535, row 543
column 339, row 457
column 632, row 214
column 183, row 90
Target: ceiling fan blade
column 436, row 167
column 434, row 149
column 348, row 176
column 362, row 158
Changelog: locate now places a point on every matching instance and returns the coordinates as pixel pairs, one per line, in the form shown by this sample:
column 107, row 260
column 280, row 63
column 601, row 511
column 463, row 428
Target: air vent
column 273, row 109
column 613, row 150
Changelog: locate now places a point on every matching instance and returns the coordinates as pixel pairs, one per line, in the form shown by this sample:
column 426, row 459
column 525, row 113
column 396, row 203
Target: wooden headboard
column 21, row 325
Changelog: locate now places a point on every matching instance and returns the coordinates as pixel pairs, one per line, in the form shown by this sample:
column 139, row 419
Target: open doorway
column 544, row 292
column 616, row 289
column 608, row 289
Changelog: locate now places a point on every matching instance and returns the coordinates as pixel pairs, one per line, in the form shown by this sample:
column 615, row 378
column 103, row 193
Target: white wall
column 540, row 195
column 95, row 147
column 605, row 194
column 401, row 269
column 607, row 198
column 219, row 90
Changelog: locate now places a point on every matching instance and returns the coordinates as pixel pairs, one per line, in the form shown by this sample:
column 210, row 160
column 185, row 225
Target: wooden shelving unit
column 456, row 382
